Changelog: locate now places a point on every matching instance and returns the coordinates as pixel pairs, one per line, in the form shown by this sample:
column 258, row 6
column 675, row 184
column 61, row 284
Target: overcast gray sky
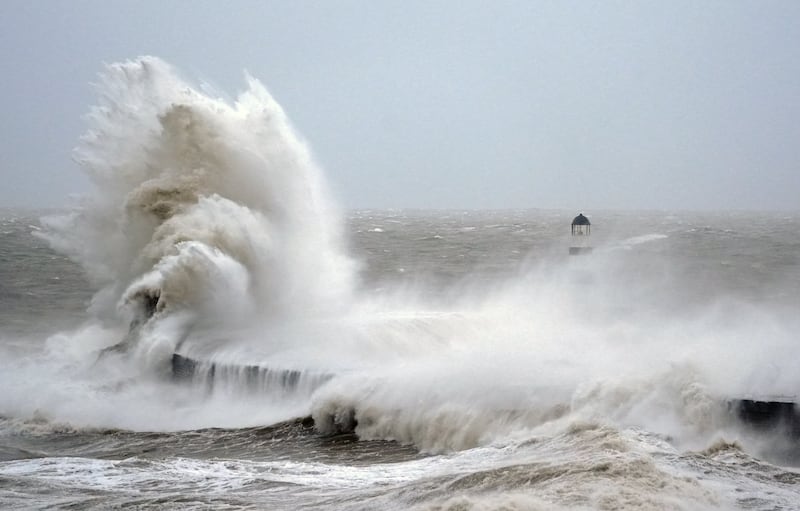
column 447, row 104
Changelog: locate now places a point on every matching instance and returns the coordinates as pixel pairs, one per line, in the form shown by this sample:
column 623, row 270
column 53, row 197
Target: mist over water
column 470, row 336
column 215, row 210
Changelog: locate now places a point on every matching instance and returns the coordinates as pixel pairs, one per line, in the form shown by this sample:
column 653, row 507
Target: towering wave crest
column 202, row 209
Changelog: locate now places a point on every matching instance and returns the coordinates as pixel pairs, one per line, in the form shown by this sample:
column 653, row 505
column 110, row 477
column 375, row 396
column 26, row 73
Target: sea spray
column 211, row 218
column 199, row 206
column 614, row 339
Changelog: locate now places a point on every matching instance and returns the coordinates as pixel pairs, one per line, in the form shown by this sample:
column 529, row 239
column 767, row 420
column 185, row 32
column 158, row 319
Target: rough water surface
column 376, row 359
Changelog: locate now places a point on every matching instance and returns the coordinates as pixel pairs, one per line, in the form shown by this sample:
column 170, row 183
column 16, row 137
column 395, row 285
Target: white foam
column 215, row 207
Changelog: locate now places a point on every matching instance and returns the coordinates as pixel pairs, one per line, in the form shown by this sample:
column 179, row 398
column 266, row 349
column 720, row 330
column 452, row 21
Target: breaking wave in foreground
column 596, row 382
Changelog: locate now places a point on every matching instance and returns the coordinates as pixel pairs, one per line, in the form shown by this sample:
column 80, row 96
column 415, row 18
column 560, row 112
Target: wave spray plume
column 204, row 210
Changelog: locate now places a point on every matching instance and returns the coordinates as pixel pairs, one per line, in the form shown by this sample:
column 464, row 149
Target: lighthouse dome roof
column 581, row 220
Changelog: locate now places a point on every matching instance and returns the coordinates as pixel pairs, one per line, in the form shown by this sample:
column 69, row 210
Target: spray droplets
column 212, row 207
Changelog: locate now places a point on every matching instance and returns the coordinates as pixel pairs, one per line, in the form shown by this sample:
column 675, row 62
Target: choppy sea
column 207, row 329
column 498, row 372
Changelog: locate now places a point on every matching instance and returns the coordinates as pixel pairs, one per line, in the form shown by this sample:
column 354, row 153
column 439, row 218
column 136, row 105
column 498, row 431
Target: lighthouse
column 581, row 229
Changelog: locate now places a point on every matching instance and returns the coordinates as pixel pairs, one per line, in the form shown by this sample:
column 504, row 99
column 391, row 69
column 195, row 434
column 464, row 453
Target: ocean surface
column 374, row 359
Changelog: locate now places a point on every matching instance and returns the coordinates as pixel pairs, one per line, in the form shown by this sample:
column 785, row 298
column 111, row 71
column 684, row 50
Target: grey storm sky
column 447, row 104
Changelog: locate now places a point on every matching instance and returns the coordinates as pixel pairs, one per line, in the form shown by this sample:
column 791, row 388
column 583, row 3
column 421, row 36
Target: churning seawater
column 376, row 360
